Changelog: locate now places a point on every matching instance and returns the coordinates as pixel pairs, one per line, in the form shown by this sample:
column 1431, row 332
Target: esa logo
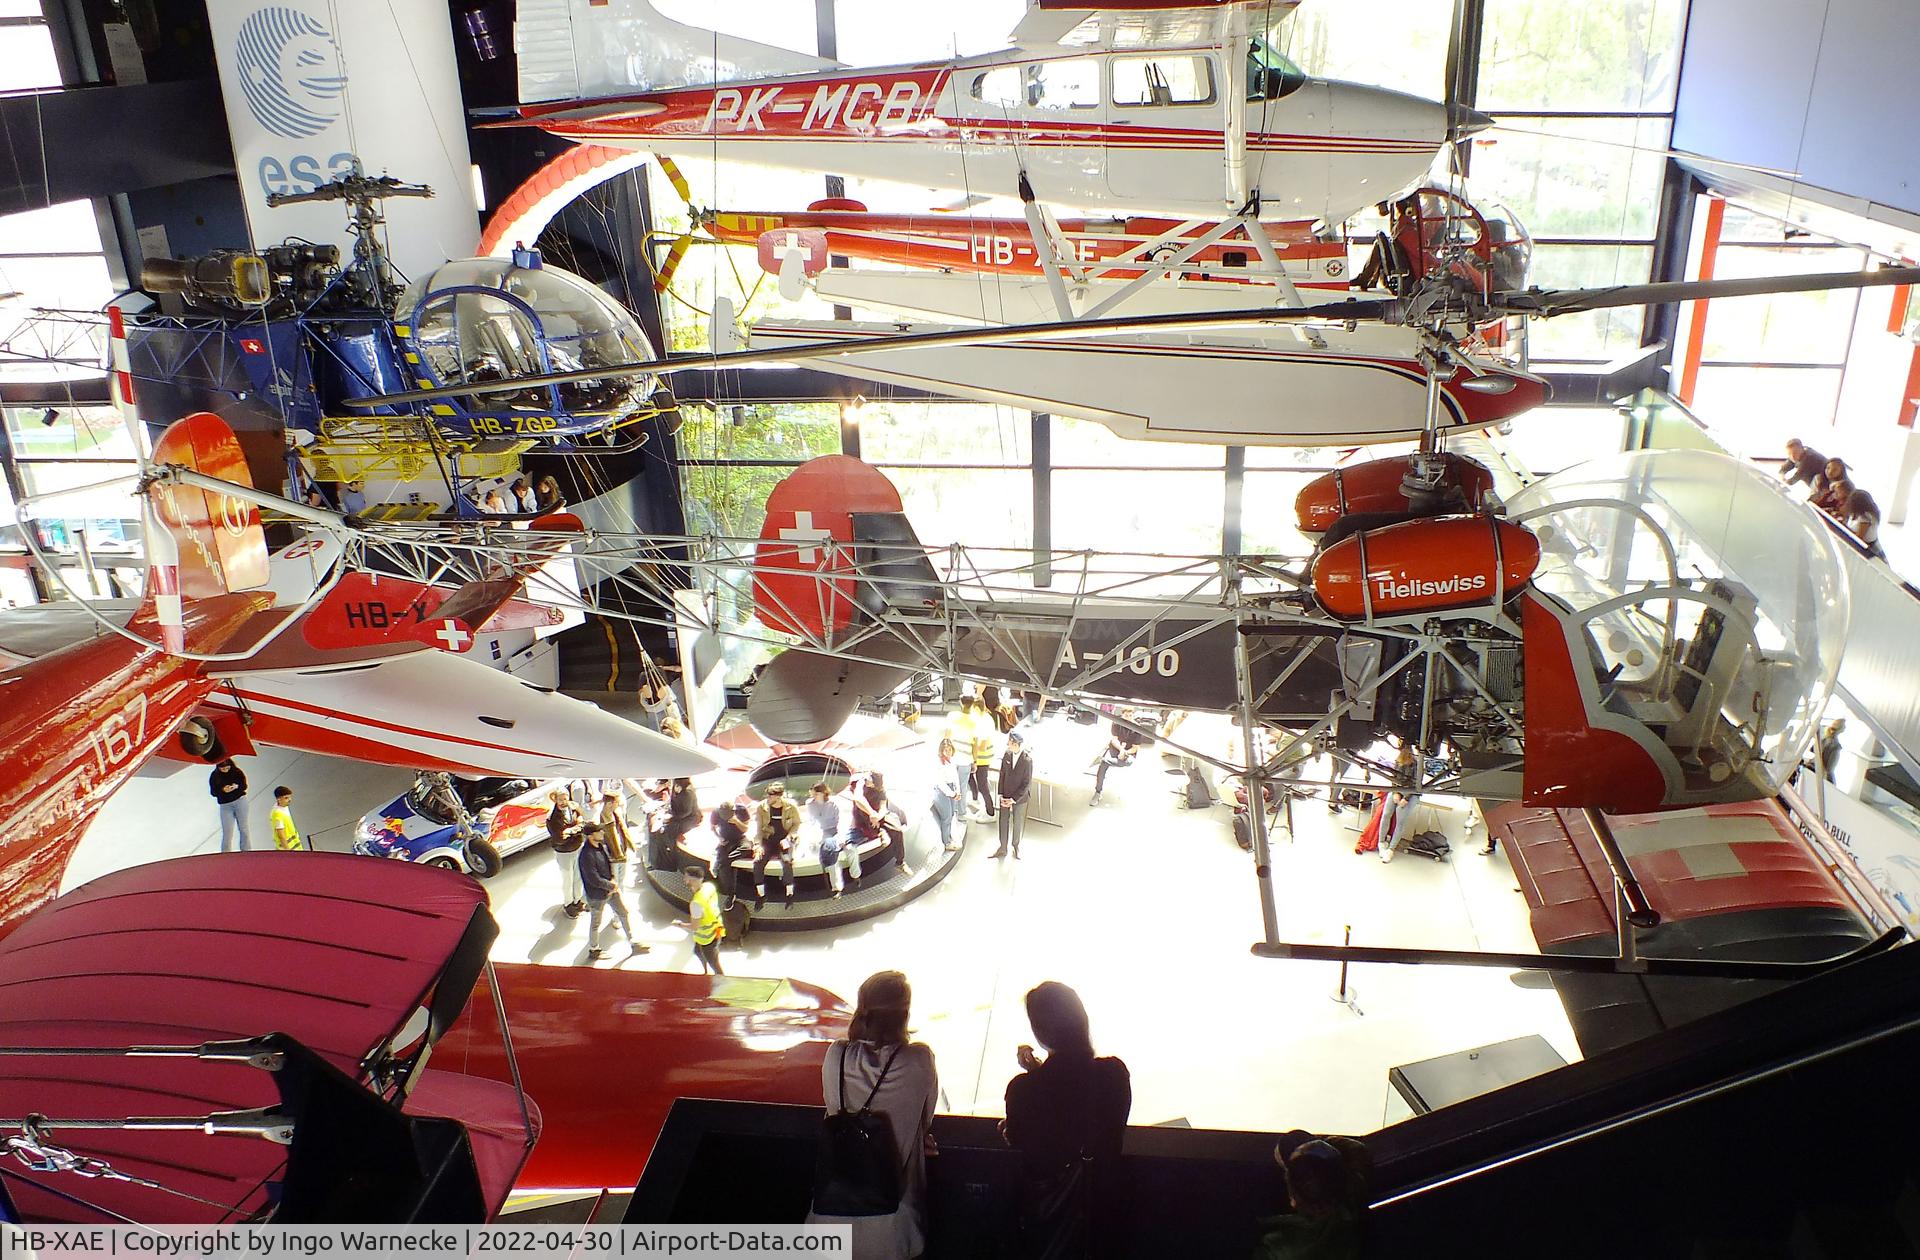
column 303, row 172
column 290, row 72
column 295, row 88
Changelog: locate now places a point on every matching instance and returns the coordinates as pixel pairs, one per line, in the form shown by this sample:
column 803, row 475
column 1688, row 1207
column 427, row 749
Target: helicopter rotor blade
column 1540, row 303
column 1382, row 310
column 676, row 252
column 674, row 177
column 1549, row 302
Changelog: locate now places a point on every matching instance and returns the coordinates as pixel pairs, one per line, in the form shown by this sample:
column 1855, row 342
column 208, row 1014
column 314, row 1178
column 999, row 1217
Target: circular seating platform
column 813, row 908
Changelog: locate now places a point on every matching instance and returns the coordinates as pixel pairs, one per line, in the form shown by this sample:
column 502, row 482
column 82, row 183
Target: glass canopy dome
column 1715, row 605
column 487, row 319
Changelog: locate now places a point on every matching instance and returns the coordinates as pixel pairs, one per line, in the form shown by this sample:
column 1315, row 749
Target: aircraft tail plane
column 200, row 544
column 833, row 516
column 582, row 49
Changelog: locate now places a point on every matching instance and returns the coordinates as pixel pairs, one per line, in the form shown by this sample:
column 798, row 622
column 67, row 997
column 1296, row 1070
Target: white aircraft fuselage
column 1139, row 129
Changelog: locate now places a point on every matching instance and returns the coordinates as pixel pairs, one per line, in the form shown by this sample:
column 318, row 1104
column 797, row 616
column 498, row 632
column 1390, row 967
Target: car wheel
column 444, row 863
column 483, row 859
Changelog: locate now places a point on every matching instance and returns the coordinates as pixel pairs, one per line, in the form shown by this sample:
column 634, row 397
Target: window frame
column 1205, row 59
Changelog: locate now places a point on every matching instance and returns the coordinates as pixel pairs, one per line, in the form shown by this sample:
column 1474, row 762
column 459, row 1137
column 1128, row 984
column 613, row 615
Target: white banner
column 1887, row 852
column 310, row 84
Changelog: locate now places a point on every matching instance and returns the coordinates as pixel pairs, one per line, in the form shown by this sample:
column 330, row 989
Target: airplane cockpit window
column 1070, row 83
column 1270, row 74
column 1714, row 608
column 1163, row 79
column 484, row 319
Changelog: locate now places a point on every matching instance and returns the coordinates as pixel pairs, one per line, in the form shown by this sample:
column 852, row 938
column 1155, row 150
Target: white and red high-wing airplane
column 1120, row 107
column 77, row 722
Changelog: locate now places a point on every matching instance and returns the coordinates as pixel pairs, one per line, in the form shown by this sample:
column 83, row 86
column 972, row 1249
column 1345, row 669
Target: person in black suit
column 730, row 844
column 1016, row 785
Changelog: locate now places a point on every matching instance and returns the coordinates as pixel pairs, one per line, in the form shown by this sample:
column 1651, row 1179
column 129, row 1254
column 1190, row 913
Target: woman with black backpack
column 879, row 1089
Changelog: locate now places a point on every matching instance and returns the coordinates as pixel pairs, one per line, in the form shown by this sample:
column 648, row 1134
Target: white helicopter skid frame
column 1305, row 383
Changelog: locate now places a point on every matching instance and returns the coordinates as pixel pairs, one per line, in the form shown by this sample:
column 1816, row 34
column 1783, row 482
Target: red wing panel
column 375, row 610
column 1722, row 859
column 364, row 609
column 221, row 546
column 803, row 544
column 606, row 1053
column 335, row 951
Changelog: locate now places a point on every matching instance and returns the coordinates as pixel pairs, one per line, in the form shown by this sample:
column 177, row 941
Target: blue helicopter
column 291, row 332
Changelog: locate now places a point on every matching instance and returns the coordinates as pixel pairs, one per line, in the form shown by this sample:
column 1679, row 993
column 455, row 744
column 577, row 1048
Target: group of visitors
column 986, row 728
column 227, row 784
column 767, row 836
column 593, row 854
column 1829, row 483
column 520, row 497
column 1066, row 1116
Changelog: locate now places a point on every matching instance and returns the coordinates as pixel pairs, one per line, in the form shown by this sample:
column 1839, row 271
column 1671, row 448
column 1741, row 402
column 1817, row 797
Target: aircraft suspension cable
column 37, row 1152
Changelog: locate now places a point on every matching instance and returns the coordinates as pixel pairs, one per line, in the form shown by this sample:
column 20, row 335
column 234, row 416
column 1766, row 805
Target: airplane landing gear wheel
column 199, row 739
column 483, row 859
column 444, row 863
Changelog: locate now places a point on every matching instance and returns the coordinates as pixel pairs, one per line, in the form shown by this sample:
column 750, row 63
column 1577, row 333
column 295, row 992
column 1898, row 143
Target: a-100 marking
column 1136, row 659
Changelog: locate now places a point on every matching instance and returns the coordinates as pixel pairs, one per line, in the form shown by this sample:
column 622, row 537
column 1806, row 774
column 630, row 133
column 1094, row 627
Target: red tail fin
column 200, row 543
column 219, row 540
column 804, row 541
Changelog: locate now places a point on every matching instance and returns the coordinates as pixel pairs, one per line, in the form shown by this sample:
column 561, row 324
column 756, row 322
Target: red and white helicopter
column 1303, row 384
column 1095, row 106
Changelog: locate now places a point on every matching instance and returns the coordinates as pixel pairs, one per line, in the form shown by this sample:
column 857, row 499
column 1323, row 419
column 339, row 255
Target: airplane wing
column 373, row 610
column 577, row 52
column 1120, row 24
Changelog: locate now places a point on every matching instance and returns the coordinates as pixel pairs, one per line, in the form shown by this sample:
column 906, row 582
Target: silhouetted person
column 1327, row 1184
column 1067, row 1116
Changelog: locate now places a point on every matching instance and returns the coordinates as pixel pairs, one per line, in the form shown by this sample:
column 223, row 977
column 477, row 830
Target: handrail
column 1697, row 1094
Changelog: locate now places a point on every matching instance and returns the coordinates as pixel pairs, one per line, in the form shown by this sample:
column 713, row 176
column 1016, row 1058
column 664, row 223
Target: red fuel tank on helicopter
column 1424, row 566
column 1399, row 483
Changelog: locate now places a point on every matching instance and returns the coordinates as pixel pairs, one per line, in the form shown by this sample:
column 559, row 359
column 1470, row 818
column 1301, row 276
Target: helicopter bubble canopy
column 1716, row 606
column 479, row 320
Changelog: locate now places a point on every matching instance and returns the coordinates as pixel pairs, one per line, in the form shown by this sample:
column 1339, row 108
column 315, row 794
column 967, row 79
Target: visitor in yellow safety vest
column 286, row 836
column 703, row 918
column 975, row 734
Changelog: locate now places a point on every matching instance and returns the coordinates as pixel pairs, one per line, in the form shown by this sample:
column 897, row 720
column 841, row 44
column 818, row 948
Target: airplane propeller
column 1429, row 306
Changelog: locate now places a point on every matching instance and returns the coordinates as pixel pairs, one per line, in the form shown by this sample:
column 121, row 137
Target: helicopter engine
column 242, row 282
